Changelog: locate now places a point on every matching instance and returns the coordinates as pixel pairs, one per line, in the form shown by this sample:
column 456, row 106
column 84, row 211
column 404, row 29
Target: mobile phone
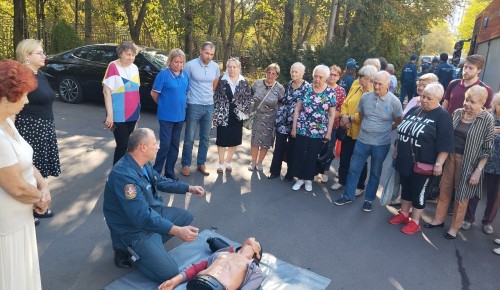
column 113, row 128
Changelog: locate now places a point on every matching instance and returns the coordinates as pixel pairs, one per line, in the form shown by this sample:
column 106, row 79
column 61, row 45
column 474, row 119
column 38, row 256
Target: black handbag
column 324, row 157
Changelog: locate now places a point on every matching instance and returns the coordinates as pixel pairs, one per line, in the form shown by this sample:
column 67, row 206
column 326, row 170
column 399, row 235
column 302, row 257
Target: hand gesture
column 43, row 204
column 198, row 190
column 187, row 233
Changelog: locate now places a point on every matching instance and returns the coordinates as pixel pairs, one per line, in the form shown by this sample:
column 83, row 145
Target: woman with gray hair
column 312, row 126
column 232, row 102
column 284, row 141
column 425, row 135
column 170, row 93
column 267, row 93
column 121, row 96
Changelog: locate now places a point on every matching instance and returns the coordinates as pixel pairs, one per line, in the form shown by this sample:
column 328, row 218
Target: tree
column 88, row 21
column 19, row 15
column 438, row 40
column 135, row 25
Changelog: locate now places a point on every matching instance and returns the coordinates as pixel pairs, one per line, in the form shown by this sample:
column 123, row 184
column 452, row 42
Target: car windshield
column 156, row 57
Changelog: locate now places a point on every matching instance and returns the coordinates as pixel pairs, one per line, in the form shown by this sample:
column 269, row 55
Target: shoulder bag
column 248, row 123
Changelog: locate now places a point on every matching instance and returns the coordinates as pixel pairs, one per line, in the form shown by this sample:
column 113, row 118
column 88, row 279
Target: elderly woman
column 232, row 102
column 35, row 122
column 350, row 119
column 312, row 125
column 491, row 179
column 121, row 96
column 284, row 141
column 393, row 80
column 425, row 135
column 337, row 131
column 22, row 187
column 422, row 83
column 169, row 91
column 463, row 170
column 266, row 95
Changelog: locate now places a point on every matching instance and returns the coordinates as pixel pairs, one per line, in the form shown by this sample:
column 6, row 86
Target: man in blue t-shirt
column 444, row 71
column 203, row 77
column 408, row 79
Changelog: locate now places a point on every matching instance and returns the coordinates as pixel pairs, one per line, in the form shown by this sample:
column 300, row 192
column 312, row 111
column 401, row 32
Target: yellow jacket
column 350, row 107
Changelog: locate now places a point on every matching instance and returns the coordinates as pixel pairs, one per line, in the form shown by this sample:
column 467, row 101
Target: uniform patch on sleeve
column 130, row 191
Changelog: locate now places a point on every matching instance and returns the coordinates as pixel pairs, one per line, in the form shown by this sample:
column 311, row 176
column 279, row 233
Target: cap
column 351, row 65
column 425, row 66
column 414, row 57
column 349, row 60
column 435, row 59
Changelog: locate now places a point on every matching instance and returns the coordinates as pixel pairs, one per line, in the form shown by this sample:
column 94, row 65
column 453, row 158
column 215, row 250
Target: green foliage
column 64, row 37
column 439, row 40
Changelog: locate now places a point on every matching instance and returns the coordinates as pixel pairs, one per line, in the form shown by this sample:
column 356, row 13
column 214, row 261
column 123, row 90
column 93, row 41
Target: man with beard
column 455, row 93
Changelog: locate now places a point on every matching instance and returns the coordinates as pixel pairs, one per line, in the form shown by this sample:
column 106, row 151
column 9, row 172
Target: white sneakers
column 359, row 192
column 324, row 178
column 298, row 184
column 336, row 186
column 309, row 185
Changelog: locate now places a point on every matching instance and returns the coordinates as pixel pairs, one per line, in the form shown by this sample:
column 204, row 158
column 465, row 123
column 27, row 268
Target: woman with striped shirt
column 463, row 170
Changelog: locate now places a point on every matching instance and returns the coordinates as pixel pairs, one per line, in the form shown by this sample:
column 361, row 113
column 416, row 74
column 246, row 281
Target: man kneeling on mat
column 226, row 269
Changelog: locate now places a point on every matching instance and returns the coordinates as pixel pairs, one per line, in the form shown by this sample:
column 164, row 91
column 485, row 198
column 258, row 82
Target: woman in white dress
column 22, row 187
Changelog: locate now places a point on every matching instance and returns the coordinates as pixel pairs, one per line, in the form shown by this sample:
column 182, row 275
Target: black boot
column 122, row 259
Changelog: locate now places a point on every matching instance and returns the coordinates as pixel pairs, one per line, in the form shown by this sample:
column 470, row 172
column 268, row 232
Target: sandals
column 229, row 168
column 220, row 168
column 47, row 214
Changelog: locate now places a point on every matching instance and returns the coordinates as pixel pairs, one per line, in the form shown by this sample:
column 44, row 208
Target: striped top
column 124, row 84
column 478, row 145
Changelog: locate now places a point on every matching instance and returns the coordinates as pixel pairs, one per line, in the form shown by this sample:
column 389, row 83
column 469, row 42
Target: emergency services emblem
column 130, row 191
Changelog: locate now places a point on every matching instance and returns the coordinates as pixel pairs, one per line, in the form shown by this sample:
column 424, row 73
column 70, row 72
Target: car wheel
column 70, row 90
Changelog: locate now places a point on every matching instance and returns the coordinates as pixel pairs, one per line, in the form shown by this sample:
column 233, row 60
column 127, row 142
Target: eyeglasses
column 334, row 75
column 377, row 83
column 41, row 53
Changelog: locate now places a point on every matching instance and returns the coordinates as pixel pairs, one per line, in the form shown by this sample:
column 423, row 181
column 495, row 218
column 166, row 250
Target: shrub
column 64, row 37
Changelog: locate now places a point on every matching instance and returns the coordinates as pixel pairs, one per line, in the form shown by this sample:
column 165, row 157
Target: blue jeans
column 155, row 261
column 170, row 136
column 362, row 151
column 197, row 116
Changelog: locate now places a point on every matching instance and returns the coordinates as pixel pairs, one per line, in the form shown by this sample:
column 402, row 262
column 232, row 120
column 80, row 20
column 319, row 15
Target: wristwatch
column 437, row 164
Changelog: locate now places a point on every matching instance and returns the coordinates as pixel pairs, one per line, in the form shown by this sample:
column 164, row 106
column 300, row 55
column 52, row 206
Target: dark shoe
column 203, row 170
column 273, row 176
column 288, row 178
column 37, row 222
column 431, row 226
column 448, row 236
column 185, row 171
column 122, row 259
column 367, row 206
column 47, row 214
column 342, row 201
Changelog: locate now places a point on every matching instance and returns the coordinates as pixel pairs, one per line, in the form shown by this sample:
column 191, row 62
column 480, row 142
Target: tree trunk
column 222, row 29
column 229, row 42
column 88, row 21
column 331, row 21
column 19, row 12
column 210, row 30
column 135, row 26
column 188, row 30
column 76, row 16
column 287, row 36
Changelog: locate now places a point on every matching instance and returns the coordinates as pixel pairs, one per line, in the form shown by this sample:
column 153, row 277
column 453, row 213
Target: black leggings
column 122, row 132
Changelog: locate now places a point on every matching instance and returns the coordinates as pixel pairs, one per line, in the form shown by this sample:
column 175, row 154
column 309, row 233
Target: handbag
column 324, row 157
column 419, row 167
column 240, row 115
column 248, row 123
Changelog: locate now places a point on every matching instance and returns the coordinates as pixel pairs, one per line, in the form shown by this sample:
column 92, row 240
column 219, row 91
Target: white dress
column 19, row 268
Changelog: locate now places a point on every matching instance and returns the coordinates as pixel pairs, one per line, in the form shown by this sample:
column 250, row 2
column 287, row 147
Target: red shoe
column 399, row 219
column 410, row 228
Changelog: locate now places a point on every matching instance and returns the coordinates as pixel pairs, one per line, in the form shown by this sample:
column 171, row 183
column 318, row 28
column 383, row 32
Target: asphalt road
column 356, row 250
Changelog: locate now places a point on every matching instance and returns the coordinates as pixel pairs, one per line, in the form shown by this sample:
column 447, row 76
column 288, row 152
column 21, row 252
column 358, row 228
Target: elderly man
column 203, row 78
column 138, row 220
column 225, row 269
column 380, row 112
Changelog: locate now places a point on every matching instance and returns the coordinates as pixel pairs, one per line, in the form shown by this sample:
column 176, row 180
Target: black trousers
column 345, row 161
column 284, row 143
column 122, row 132
column 306, row 157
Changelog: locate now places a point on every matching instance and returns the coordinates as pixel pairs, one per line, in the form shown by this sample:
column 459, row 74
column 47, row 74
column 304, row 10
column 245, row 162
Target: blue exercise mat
column 278, row 274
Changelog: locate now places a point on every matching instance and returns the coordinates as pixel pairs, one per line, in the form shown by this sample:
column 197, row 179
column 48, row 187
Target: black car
column 77, row 74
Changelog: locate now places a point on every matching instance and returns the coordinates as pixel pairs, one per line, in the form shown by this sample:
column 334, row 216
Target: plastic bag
column 391, row 187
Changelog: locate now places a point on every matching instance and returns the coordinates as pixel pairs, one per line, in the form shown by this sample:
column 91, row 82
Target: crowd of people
column 447, row 129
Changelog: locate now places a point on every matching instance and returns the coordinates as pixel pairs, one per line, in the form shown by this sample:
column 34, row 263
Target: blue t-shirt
column 201, row 80
column 172, row 95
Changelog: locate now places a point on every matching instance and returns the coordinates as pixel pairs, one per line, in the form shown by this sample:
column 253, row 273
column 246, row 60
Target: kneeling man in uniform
column 137, row 218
